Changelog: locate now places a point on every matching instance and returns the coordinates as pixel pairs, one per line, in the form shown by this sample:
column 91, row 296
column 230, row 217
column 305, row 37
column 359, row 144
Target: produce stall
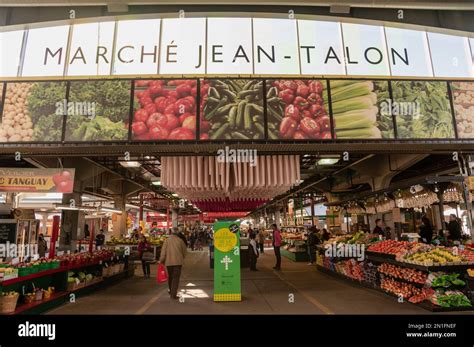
column 434, row 277
column 39, row 286
column 294, row 245
column 132, row 244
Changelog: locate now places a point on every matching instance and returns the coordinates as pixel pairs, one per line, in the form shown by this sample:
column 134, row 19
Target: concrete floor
column 264, row 292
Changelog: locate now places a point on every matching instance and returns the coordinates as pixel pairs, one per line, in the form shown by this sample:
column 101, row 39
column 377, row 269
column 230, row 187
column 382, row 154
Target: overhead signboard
column 36, row 180
column 233, row 46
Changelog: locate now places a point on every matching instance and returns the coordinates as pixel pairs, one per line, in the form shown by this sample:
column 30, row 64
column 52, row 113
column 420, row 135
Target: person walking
column 276, row 246
column 143, row 247
column 426, row 230
column 172, row 256
column 192, row 239
column 42, row 246
column 312, row 242
column 253, row 252
column 261, row 240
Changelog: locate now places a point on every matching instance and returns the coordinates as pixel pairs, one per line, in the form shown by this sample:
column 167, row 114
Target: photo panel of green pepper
column 422, row 110
column 298, row 110
column 232, row 109
column 98, row 111
column 463, row 101
column 361, row 109
column 33, row 111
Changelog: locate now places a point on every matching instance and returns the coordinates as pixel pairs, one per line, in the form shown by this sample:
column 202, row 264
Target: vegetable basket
column 8, row 303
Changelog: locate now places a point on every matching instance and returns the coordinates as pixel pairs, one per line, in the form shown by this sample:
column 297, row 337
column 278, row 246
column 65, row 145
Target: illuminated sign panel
column 255, row 46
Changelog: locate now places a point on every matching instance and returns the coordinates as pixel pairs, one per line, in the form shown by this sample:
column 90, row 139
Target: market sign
column 227, row 262
column 232, row 46
column 36, row 180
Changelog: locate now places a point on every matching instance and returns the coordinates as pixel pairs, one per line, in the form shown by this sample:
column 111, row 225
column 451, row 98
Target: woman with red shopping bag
column 172, row 256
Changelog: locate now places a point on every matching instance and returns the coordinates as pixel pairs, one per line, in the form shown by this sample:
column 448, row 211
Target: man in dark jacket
column 454, row 229
column 379, row 227
column 312, row 242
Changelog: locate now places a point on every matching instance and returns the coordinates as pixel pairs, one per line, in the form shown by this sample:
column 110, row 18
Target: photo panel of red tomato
column 298, row 110
column 232, row 109
column 164, row 110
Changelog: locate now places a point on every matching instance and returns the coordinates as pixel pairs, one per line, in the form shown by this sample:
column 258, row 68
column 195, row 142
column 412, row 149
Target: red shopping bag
column 161, row 276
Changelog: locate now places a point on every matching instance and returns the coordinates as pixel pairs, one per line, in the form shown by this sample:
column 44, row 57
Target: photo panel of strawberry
column 298, row 110
column 98, row 110
column 164, row 110
column 232, row 109
column 361, row 109
column 33, row 111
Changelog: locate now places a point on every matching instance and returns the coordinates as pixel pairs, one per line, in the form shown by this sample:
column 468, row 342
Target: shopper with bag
column 172, row 256
column 145, row 255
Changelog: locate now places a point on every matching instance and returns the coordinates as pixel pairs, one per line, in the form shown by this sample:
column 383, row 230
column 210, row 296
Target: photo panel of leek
column 361, row 109
column 98, row 111
column 297, row 110
column 463, row 101
column 164, row 110
column 232, row 109
column 33, row 112
column 422, row 110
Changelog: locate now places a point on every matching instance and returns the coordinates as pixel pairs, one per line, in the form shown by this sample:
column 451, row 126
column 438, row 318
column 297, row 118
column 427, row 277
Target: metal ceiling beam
column 399, row 4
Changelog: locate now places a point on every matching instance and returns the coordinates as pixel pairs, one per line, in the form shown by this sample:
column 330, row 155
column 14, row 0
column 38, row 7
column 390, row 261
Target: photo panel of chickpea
column 98, row 111
column 33, row 111
column 164, row 110
column 298, row 110
column 232, row 109
column 463, row 101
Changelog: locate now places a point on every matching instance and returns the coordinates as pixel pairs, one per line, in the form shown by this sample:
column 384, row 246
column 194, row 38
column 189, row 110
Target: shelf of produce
column 380, row 255
column 295, row 256
column 87, row 286
column 446, row 268
column 425, row 304
column 32, row 276
column 419, row 285
column 81, row 266
column 35, row 305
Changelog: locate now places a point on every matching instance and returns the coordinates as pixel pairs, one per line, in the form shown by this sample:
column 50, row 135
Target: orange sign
column 36, row 180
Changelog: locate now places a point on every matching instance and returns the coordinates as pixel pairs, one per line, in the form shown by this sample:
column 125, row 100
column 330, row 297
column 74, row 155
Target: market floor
column 296, row 289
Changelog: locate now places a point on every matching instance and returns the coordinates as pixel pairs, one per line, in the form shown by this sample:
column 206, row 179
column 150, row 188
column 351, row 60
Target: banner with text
column 36, row 180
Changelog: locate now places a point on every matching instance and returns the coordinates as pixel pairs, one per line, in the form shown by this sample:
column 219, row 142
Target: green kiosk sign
column 226, row 262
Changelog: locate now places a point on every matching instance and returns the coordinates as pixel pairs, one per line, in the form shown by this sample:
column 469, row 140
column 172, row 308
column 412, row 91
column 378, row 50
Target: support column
column 119, row 221
column 312, row 210
column 69, row 223
column 174, row 217
column 277, row 218
column 441, row 210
